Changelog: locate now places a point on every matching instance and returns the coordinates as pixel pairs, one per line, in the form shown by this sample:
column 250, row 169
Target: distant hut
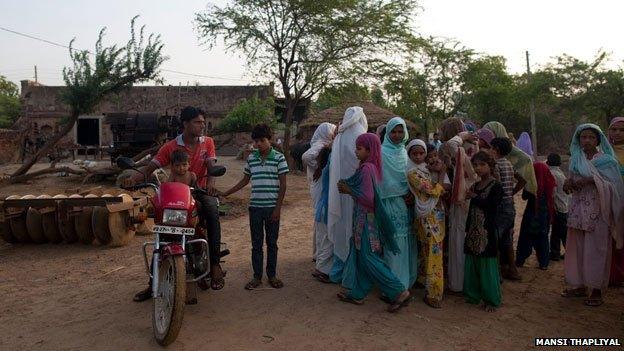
column 375, row 116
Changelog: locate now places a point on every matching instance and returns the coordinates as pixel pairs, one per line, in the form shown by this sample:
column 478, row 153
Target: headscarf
column 421, row 207
column 450, row 127
column 546, row 185
column 410, row 164
column 522, row 163
column 485, row 135
column 323, row 134
column 604, row 169
column 371, row 142
column 322, row 138
column 394, row 162
column 524, row 143
column 343, row 164
column 619, row 149
column 470, row 126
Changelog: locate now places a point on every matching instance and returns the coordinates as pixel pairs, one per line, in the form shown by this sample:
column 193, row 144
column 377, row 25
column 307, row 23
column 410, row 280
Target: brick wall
column 9, row 145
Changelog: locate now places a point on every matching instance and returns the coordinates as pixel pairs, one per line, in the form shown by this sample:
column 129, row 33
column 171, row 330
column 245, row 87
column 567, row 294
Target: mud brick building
column 43, row 110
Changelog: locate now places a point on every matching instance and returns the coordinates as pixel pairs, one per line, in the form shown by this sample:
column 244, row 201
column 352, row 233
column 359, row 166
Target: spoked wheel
column 169, row 304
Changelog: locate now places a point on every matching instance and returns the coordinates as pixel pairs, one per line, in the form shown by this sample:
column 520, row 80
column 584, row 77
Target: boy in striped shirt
column 266, row 168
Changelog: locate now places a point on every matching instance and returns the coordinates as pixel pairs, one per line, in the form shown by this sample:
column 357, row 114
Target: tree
column 115, row 69
column 309, row 44
column 9, row 103
column 247, row 114
column 429, row 89
column 335, row 95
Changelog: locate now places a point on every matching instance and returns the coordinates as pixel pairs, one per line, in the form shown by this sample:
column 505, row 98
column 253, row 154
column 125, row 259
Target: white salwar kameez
column 321, row 246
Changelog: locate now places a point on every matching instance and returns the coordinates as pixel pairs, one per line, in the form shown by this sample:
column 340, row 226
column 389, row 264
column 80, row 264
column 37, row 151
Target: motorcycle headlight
column 174, row 217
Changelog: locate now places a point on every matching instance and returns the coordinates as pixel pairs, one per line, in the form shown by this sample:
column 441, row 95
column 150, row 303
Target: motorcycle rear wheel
column 168, row 306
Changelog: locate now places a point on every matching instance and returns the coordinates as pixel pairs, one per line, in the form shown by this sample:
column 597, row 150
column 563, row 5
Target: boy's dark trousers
column 260, row 224
column 558, row 233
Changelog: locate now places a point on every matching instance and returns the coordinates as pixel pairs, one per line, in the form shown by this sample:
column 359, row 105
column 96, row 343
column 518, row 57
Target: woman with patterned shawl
column 616, row 137
column 458, row 144
column 429, row 219
column 394, row 191
column 595, row 206
column 373, row 231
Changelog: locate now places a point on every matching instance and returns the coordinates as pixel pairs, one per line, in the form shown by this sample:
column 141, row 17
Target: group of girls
column 403, row 215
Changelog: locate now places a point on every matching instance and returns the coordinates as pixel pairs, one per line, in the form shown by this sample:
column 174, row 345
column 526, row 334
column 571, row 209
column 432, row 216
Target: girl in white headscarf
column 427, row 179
column 343, row 164
column 322, row 248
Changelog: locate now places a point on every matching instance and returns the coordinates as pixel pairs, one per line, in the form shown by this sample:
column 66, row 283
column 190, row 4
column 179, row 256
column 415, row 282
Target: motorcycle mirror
column 217, row 171
column 125, row 162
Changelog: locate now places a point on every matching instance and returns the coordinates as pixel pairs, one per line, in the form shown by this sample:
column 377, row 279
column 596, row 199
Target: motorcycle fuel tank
column 175, row 196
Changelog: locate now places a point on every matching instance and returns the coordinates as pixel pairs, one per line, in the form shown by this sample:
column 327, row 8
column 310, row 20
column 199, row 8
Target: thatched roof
column 375, row 116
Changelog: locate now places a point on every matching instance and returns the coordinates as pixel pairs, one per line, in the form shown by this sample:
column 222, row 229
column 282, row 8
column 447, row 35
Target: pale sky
column 544, row 27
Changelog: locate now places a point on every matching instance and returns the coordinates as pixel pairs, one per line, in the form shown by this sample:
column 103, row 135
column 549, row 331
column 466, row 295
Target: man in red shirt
column 202, row 155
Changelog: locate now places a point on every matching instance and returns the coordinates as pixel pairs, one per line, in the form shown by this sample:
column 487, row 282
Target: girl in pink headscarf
column 373, row 231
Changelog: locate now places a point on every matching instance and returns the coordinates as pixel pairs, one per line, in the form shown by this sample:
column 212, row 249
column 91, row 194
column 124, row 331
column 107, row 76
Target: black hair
column 189, row 112
column 553, row 160
column 436, row 133
column 321, row 160
column 502, row 145
column 485, row 157
column 261, row 131
column 382, row 134
column 596, row 133
column 179, row 156
column 431, row 148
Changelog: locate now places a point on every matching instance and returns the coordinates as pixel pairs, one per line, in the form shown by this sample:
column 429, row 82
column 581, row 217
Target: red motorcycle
column 180, row 256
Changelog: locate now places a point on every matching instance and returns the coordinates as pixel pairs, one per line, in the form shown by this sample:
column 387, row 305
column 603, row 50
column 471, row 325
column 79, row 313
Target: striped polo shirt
column 265, row 177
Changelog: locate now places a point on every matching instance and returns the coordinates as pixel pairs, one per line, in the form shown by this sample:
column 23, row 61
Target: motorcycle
column 180, row 261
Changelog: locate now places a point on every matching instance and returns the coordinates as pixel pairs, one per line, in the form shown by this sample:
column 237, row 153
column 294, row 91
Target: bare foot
column 489, row 308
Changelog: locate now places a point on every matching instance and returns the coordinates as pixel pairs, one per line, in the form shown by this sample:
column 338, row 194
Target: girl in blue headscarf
column 595, row 206
column 394, row 192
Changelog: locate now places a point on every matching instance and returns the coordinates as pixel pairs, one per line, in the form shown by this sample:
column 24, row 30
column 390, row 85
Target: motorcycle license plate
column 163, row 229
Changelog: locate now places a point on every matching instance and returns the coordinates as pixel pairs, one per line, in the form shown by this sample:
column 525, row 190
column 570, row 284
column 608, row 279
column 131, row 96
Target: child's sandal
column 276, row 283
column 252, row 284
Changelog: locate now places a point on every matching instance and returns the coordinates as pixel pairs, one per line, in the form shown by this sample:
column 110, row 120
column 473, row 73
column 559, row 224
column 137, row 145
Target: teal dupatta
column 361, row 189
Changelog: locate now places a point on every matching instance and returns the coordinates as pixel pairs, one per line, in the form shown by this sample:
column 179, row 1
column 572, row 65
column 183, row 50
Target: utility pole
column 531, row 109
column 36, row 80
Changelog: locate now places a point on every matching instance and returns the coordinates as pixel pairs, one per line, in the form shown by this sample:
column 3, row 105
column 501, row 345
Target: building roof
column 375, row 116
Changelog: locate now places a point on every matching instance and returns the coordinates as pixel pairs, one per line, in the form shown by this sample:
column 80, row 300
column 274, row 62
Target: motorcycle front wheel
column 168, row 308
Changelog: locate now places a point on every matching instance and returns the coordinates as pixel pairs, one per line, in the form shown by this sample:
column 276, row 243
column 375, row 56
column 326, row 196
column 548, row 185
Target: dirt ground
column 76, row 297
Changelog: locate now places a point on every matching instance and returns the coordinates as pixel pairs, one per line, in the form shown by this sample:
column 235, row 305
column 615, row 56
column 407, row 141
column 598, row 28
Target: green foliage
column 307, row 45
column 115, row 68
column 9, row 103
column 335, row 95
column 247, row 114
column 429, row 88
